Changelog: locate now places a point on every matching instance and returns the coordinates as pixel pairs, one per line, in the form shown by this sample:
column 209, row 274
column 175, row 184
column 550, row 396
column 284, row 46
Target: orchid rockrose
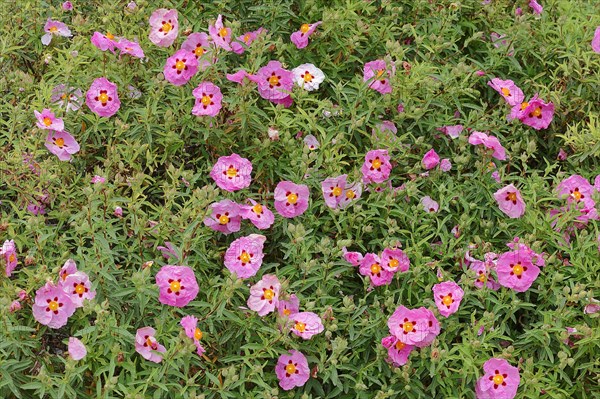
column 220, row 35
column 76, row 349
column 177, row 285
column 78, row 286
column 274, row 82
column 245, row 255
column 510, row 201
column 350, row 194
column 536, row 7
column 352, row 257
column 54, row 28
column 508, row 90
column 147, row 345
column 208, row 99
column 378, row 74
column 225, row 217
column 48, row 121
column 394, row 260
column 68, row 268
column 190, row 326
column 417, row 327
column 306, row 324
column 300, row 37
column 333, row 190
column 398, row 351
column 377, row 167
column 311, row 142
column 451, row 131
column 500, row 381
column 430, row 160
column 490, row 142
column 9, row 253
column 537, row 113
column 164, row 27
column 244, row 41
column 260, row 216
column 308, row 76
column 61, row 144
column 232, row 173
column 180, row 67
column 264, row 295
column 52, row 306
column 370, row 266
column 447, row 297
column 287, row 308
column 68, row 97
column 291, row 199
column 102, row 98
column 515, row 270
column 104, row 42
column 429, row 204
column 575, row 188
column 199, row 43
column 130, row 47
column 596, row 41
column 482, row 270
column 292, row 370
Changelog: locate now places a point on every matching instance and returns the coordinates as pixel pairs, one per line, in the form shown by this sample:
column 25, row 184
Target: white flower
column 308, row 76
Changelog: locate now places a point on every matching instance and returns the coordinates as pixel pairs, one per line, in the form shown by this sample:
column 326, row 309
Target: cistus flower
column 378, row 75
column 129, row 47
column 351, row 193
column 225, row 217
column 429, row 205
column 147, row 345
column 431, row 159
column 311, row 142
column 232, row 173
column 490, row 142
column 164, row 27
column 199, row 44
column 352, row 257
column 67, row 6
column 536, row 7
column 245, row 40
column 78, row 286
column 515, row 270
column 394, row 260
column 483, row 270
column 596, row 41
column 292, row 370
column 70, row 98
column 190, row 326
column 68, row 268
column 180, row 67
column 535, row 113
column 291, row 199
column 417, row 327
column 500, row 381
column 306, row 324
column 244, row 256
column 308, row 76
column 54, row 28
column 208, row 99
column 220, row 34
column 258, row 214
column 451, row 131
column 575, row 188
column 102, row 98
column 264, row 295
column 61, row 144
column 104, row 42
column 300, row 38
column 333, row 190
column 370, row 266
column 377, row 167
column 97, row 179
column 508, row 90
column 447, row 297
column 510, row 201
column 445, row 165
column 76, row 349
column 47, row 120
column 289, row 307
column 52, row 306
column 274, row 83
column 398, row 351
column 177, row 285
column 9, row 253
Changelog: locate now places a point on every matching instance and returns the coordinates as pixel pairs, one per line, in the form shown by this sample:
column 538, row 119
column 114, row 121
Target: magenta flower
column 300, row 38
column 515, row 270
column 189, row 324
column 575, row 188
column 245, row 40
column 76, row 349
column 200, row 45
column 537, row 7
column 510, row 201
column 220, row 34
column 417, row 327
column 67, row 6
column 258, row 214
column 264, row 295
column 537, row 114
column 291, row 199
column 54, row 28
column 394, row 260
column 596, row 41
column 292, row 370
column 14, row 306
column 377, row 167
column 431, row 159
column 164, row 27
column 398, row 351
column 500, row 381
column 289, row 307
column 103, row 42
column 311, row 142
column 351, row 193
column 245, row 255
column 52, row 306
column 177, row 285
column 445, row 165
column 447, row 296
column 97, row 179
column 429, row 205
column 118, row 211
column 102, row 97
column 509, row 90
column 306, row 324
column 208, row 100
column 61, row 144
column 180, row 67
column 354, row 258
column 9, row 252
column 452, row 131
column 225, row 217
column 70, row 98
column 68, row 268
column 239, row 76
column 370, row 266
column 490, row 142
column 147, row 345
column 333, row 189
column 482, row 271
column 378, row 75
column 274, row 82
column 47, row 120
column 232, row 173
column 77, row 285
column 129, row 47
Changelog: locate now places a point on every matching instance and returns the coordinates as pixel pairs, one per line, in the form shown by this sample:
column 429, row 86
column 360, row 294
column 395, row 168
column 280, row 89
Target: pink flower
column 14, row 306
column 225, row 217
column 509, row 90
column 445, row 165
column 480, row 73
column 103, row 42
column 447, row 296
column 291, row 199
column 245, row 255
column 132, row 48
column 102, row 97
column 510, row 201
column 515, row 270
column 147, row 345
column 592, row 308
column 489, row 142
column 67, row 6
column 61, row 144
column 430, row 160
column 537, row 8
column 98, row 179
column 562, row 155
column 54, row 28
column 289, row 307
column 292, row 370
column 417, row 327
column 274, row 82
column 576, row 188
column 311, row 142
column 208, row 99
column 77, row 285
column 300, row 38
column 189, row 324
column 76, row 349
column 377, row 167
column 537, row 114
column 168, row 251
column 398, row 351
column 68, row 268
column 429, row 205
column 69, row 98
column 333, row 188
column 177, row 285
column 264, row 295
column 52, row 306
column 220, row 34
column 452, row 131
column 200, row 45
column 354, row 258
column 378, row 75
column 245, row 40
column 306, row 324
column 394, row 260
column 500, row 381
column 9, row 251
column 164, row 27
column 118, row 211
column 232, row 172
column 239, row 76
column 180, row 67
column 258, row 214
column 370, row 266
column 596, row 41
column 482, row 271
column 47, row 120
column 351, row 193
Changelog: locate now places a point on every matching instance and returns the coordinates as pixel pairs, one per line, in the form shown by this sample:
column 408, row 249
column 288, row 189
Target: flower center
column 53, row 305
column 199, row 51
column 223, row 219
column 408, row 327
column 231, row 171
column 53, row 29
column 393, row 263
column 380, row 73
column 337, row 191
column 537, row 112
column 400, row 345
column 109, row 35
column 292, row 198
column 376, row 163
column 290, row 369
column 80, row 289
column 12, row 258
column 304, row 28
column 223, row 32
column 350, row 194
column 300, row 326
column 375, row 268
column 482, row 277
column 269, row 294
column 512, row 197
column 151, row 342
column 246, row 38
column 576, row 194
column 524, row 105
column 47, row 121
column 498, row 379
column 273, row 80
column 308, row 77
column 166, row 27
column 60, row 142
column 175, row 286
column 206, row 101
column 198, row 334
column 287, row 312
column 505, row 91
column 103, row 97
column 447, row 300
column 245, row 257
column 517, row 269
column 257, row 209
column 180, row 65
column 64, row 96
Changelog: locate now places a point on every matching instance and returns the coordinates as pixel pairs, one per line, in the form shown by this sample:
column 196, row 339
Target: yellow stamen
column 576, row 195
column 287, row 312
column 223, row 32
column 408, row 327
column 47, row 121
column 300, row 326
column 505, row 91
column 447, row 300
column 257, row 209
column 231, row 172
column 180, row 65
column 292, row 198
column 393, row 263
column 199, row 51
column 375, row 268
column 53, row 29
column 273, row 80
column 337, row 191
column 376, row 163
column 308, row 77
column 206, row 101
column 223, row 219
column 269, row 294
column 517, row 269
column 12, row 258
column 103, row 98
column 380, row 73
column 80, row 289
column 350, row 194
column 400, row 345
column 109, row 35
column 524, row 105
column 167, row 27
column 290, row 369
column 53, row 305
column 198, row 334
column 245, row 257
column 175, row 286
column 304, row 28
column 60, row 142
column 537, row 112
column 512, row 197
column 498, row 379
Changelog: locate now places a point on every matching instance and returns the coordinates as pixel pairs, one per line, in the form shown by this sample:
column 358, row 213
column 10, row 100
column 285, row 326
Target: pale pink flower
column 164, row 27
column 377, row 167
column 67, row 6
column 260, row 216
column 490, row 142
column 417, row 327
column 190, row 326
column 76, row 349
column 398, row 351
column 70, row 267
column 354, row 258
column 200, row 45
column 78, row 286
column 500, row 381
column 447, row 297
column 274, row 83
column 537, row 7
column 370, row 266
column 208, row 99
column 515, row 270
column 245, row 255
column 429, row 205
column 177, row 285
column 232, row 173
column 104, row 42
column 245, row 40
column 300, row 37
column 596, row 41
column 291, row 199
column 351, row 193
column 311, row 142
column 264, row 295
column 445, row 165
column 220, row 34
column 98, row 179
column 14, row 306
column 508, row 90
column 306, row 324
column 52, row 306
column 289, row 307
column 129, row 47
column 70, row 98
column 118, row 211
column 394, row 260
column 47, row 120
column 54, row 28
column 378, row 75
column 9, row 253
column 308, row 76
column 225, row 217
column 61, row 144
column 147, row 345
column 102, row 97
column 452, row 131
column 333, row 189
column 292, row 370
column 510, row 201
column 180, row 67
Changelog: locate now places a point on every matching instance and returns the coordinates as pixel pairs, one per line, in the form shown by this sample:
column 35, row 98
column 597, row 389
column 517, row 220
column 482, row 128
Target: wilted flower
column 164, row 27
column 292, row 370
column 14, row 306
column 67, row 6
column 537, row 7
column 129, row 47
column 311, row 142
column 177, row 285
column 69, row 98
column 354, row 258
column 147, row 345
column 452, row 131
column 118, row 211
column 445, row 165
column 429, row 205
column 104, row 42
column 300, row 38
